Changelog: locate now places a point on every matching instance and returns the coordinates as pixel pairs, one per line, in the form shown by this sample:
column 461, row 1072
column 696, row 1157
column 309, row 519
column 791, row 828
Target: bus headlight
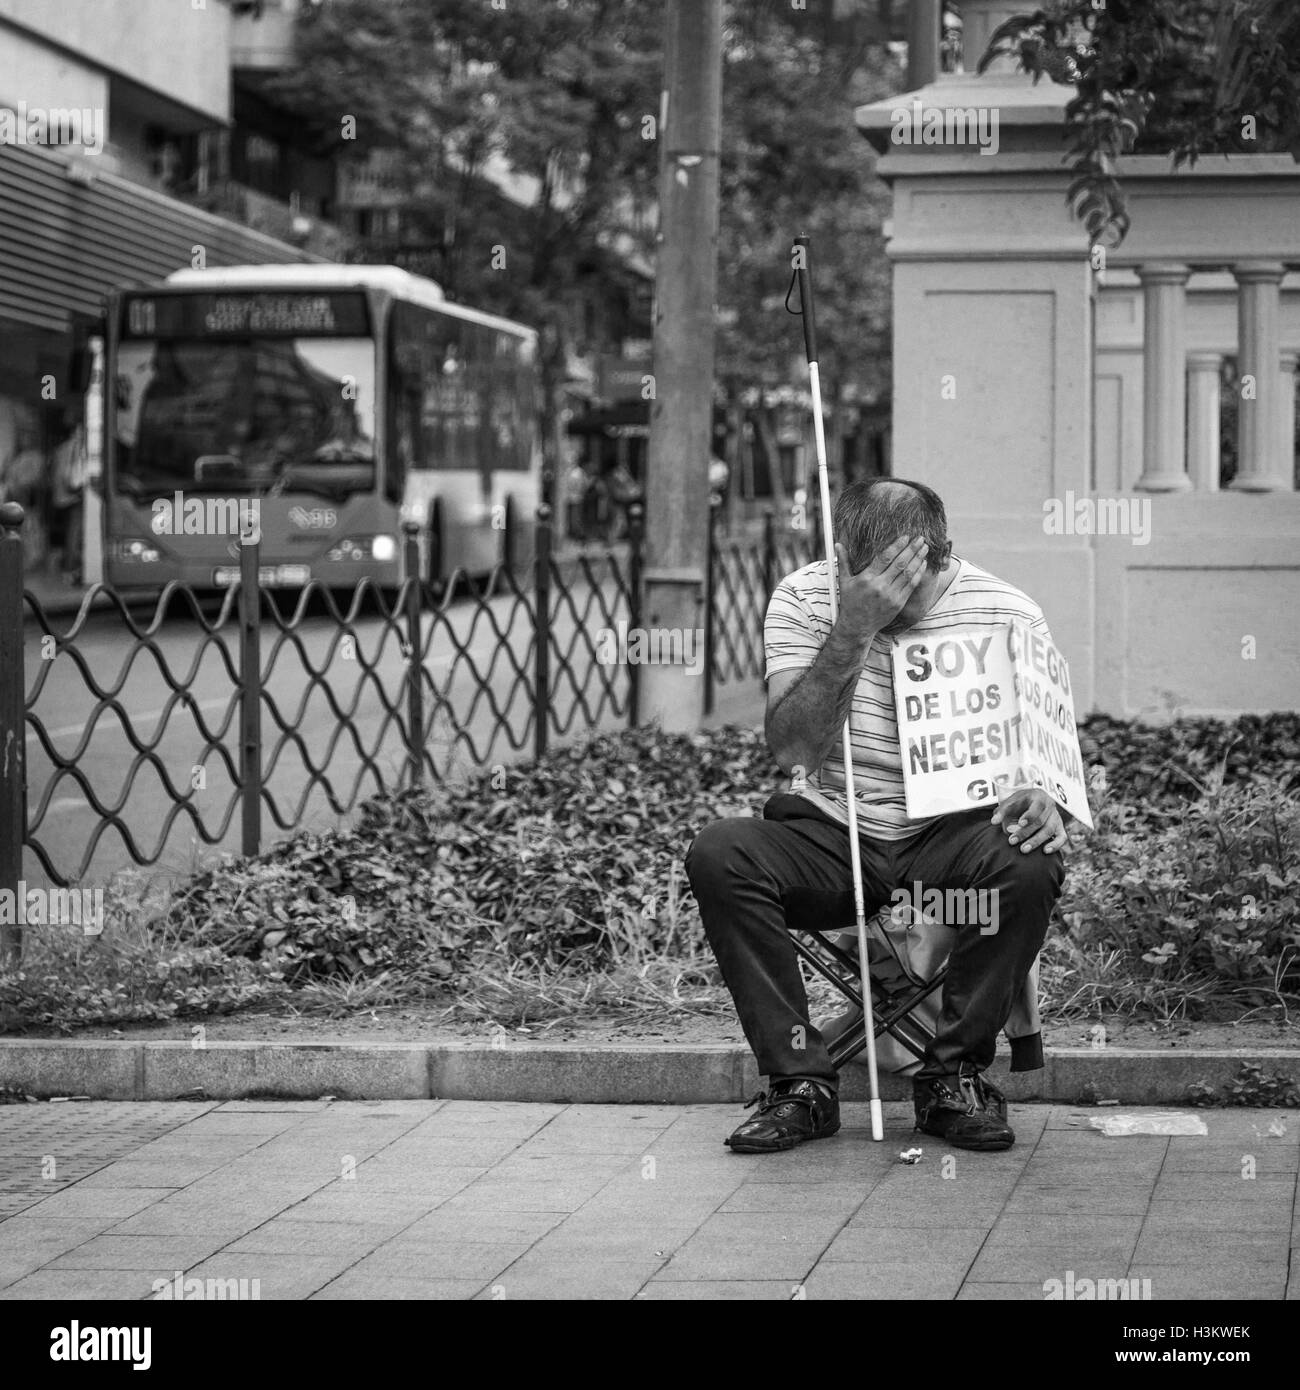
column 139, row 551
column 356, row 548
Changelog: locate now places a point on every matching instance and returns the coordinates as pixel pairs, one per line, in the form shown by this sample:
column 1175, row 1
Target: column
column 1203, row 389
column 922, row 43
column 1259, row 465
column 1286, row 437
column 1164, row 378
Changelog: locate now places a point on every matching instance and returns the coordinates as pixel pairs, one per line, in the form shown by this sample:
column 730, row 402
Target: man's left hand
column 1032, row 820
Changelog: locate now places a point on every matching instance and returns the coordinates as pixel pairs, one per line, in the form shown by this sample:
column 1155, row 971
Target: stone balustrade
column 1181, row 386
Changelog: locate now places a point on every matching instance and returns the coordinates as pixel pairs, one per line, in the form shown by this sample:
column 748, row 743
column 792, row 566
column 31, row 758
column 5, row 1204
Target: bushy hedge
column 1162, row 767
column 1186, row 899
column 537, row 862
column 1193, row 916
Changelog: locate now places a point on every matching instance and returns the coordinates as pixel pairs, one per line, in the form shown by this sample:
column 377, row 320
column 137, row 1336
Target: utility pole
column 681, row 413
column 924, row 29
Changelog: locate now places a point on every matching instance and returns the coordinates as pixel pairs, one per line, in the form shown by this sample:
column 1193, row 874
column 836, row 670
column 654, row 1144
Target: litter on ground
column 1124, row 1123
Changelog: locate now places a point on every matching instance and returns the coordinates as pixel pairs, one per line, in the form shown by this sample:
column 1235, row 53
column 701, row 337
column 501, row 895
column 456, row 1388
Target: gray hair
column 870, row 515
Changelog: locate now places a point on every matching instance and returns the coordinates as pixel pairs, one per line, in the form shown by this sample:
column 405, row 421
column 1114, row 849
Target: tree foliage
column 565, row 96
column 452, row 92
column 1179, row 77
column 793, row 163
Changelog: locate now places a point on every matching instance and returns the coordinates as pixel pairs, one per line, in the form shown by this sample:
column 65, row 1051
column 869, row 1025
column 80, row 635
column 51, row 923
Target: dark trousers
column 749, row 876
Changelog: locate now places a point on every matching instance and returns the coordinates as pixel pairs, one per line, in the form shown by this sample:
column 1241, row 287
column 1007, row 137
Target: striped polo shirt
column 798, row 623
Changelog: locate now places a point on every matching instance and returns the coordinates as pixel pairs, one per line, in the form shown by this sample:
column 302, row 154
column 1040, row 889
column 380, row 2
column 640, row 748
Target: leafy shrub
column 560, row 886
column 1160, row 767
column 1204, row 905
column 1252, row 1089
column 576, row 862
column 324, row 906
column 555, row 864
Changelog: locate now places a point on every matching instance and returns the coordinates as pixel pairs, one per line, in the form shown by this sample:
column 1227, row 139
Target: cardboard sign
column 983, row 713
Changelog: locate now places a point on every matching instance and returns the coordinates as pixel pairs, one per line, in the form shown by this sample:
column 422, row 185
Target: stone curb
column 673, row 1074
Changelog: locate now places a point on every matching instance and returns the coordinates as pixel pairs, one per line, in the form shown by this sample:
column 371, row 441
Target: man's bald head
column 870, row 516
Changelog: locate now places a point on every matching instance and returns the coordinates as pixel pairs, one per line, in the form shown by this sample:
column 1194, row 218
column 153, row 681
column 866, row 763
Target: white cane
column 804, row 276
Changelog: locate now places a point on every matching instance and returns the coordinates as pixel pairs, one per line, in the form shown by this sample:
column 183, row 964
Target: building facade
column 118, row 135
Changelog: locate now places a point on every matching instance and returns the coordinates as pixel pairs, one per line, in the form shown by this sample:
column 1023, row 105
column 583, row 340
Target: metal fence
column 388, row 692
column 742, row 575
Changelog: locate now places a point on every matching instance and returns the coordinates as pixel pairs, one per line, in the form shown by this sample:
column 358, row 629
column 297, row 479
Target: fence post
column 414, row 657
column 509, row 539
column 13, row 738
column 710, row 579
column 769, row 552
column 434, row 574
column 250, row 695
column 542, row 634
column 635, row 568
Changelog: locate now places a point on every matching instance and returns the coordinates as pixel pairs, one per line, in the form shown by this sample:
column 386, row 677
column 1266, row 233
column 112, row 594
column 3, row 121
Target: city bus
column 325, row 405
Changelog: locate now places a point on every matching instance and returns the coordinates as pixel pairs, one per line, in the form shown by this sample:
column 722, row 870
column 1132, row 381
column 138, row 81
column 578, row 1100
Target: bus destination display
column 243, row 315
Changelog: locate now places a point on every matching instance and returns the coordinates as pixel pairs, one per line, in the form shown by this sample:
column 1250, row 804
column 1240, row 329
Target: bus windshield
column 259, row 414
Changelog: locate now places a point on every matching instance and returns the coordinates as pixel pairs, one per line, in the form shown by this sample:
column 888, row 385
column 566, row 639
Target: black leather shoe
column 791, row 1113
column 965, row 1111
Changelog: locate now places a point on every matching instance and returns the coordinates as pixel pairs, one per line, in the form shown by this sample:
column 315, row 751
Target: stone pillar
column 1164, row 378
column 992, row 330
column 1259, row 466
column 1203, row 389
column 1286, row 437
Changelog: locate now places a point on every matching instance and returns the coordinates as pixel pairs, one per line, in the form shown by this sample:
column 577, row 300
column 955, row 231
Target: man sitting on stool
column 898, row 575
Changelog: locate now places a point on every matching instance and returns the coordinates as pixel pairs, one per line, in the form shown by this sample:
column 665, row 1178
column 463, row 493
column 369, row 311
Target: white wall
column 167, row 45
column 43, row 77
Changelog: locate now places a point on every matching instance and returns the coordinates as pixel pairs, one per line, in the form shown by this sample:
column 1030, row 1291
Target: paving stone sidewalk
column 480, row 1200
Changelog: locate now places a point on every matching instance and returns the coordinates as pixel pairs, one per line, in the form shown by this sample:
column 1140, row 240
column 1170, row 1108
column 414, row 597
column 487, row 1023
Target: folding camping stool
column 908, row 958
